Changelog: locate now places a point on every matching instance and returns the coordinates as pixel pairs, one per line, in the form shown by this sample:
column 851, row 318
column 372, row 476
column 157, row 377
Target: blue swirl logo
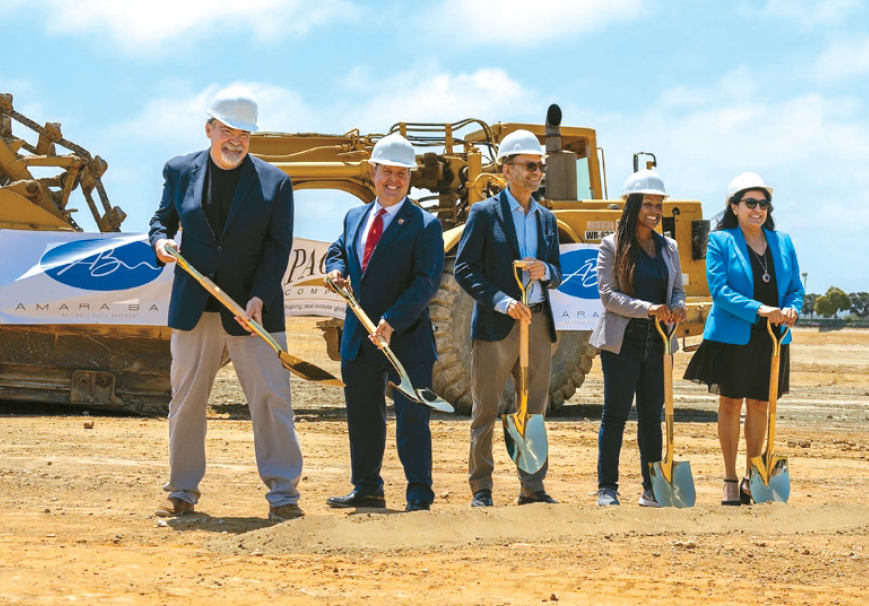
column 579, row 273
column 101, row 265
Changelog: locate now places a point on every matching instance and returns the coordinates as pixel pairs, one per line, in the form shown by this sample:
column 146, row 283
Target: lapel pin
column 401, row 221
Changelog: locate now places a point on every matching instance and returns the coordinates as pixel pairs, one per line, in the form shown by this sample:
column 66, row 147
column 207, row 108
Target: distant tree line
column 836, row 300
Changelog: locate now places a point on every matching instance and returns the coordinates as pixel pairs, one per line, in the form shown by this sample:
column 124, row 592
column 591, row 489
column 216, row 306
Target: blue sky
column 712, row 88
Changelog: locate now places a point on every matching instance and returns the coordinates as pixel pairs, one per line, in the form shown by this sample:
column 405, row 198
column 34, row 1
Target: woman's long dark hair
column 728, row 220
column 627, row 245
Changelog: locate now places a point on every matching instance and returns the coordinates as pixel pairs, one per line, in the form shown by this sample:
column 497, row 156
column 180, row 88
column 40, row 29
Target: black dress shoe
column 357, row 499
column 538, row 497
column 482, row 498
column 417, row 505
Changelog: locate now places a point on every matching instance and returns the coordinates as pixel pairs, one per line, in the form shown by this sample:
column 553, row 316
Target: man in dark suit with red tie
column 393, row 254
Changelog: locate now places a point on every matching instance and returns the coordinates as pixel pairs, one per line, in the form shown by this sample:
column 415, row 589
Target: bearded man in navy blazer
column 236, row 213
column 392, row 252
column 510, row 226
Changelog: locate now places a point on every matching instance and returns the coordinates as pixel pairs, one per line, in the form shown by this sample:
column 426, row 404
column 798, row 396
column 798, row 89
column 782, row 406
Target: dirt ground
column 77, row 503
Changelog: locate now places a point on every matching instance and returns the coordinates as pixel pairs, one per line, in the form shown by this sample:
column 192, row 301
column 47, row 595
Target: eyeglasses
column 751, row 203
column 531, row 166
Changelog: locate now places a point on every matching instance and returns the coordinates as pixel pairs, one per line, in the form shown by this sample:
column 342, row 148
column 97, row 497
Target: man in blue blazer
column 508, row 227
column 392, row 252
column 236, row 213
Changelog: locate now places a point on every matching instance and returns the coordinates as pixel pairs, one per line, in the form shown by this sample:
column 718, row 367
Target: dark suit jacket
column 484, row 265
column 402, row 276
column 249, row 258
column 731, row 283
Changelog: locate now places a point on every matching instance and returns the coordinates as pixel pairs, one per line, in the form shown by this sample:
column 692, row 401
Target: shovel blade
column 778, row 488
column 531, row 450
column 406, row 389
column 680, row 492
column 308, row 371
column 432, row 400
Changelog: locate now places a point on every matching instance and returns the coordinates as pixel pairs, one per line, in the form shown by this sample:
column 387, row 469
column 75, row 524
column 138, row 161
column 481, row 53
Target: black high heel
column 735, row 502
column 745, row 492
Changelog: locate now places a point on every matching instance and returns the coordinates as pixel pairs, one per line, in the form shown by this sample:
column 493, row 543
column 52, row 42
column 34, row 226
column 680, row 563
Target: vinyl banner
column 304, row 292
column 51, row 277
column 576, row 302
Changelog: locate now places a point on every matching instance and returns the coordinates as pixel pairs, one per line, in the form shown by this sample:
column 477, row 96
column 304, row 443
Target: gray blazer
column 619, row 308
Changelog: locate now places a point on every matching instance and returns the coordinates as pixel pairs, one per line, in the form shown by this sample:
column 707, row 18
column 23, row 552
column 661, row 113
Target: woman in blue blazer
column 754, row 278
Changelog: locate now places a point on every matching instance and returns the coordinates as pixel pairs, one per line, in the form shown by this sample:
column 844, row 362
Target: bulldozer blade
column 679, row 491
column 777, row 486
column 308, row 371
column 526, row 441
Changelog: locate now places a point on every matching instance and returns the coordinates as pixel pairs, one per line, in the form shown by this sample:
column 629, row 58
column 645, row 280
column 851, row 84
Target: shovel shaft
column 774, row 367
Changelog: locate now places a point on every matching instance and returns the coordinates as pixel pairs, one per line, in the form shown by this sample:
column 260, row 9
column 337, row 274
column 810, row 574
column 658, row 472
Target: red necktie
column 373, row 237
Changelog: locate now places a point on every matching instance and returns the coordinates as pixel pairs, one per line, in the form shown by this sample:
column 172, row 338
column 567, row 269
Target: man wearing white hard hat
column 510, row 226
column 392, row 253
column 236, row 212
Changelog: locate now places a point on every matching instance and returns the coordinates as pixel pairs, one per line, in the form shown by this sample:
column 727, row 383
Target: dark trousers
column 638, row 369
column 365, row 394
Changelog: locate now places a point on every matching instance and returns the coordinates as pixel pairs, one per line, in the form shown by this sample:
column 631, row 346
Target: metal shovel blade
column 778, row 486
column 529, row 449
column 432, row 400
column 680, row 492
column 308, row 371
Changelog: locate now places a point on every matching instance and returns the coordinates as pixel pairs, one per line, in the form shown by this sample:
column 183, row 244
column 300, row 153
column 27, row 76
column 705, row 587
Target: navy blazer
column 484, row 264
column 402, row 276
column 247, row 260
column 731, row 283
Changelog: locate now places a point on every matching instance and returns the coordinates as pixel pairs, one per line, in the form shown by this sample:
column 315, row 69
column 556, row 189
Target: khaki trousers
column 196, row 358
column 491, row 363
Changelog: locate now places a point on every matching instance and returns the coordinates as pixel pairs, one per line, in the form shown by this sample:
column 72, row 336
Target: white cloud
column 811, row 148
column 518, row 24
column 807, row 13
column 154, row 26
column 845, row 58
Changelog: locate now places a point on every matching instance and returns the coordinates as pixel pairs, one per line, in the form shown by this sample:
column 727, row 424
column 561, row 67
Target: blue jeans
column 638, row 369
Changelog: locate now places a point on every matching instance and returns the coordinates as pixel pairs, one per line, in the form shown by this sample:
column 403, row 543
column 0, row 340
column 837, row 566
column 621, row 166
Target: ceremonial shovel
column 295, row 365
column 671, row 480
column 420, row 396
column 525, row 434
column 770, row 480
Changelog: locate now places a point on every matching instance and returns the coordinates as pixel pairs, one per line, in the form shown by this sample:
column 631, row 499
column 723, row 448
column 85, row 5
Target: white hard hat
column 235, row 107
column 746, row 181
column 520, row 142
column 394, row 150
column 644, row 182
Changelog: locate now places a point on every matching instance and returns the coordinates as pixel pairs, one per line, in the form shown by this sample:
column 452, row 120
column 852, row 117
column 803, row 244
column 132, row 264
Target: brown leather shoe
column 173, row 506
column 285, row 512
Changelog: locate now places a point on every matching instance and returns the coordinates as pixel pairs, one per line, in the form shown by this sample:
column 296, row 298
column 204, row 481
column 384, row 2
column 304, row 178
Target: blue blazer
column 731, row 284
column 402, row 276
column 247, row 260
column 484, row 264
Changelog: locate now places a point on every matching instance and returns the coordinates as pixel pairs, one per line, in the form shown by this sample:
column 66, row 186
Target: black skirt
column 740, row 371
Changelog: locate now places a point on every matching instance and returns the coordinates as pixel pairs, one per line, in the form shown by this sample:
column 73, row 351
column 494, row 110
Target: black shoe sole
column 369, row 504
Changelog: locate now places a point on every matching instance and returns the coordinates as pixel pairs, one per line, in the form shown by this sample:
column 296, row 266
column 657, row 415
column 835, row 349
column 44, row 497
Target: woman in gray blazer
column 639, row 277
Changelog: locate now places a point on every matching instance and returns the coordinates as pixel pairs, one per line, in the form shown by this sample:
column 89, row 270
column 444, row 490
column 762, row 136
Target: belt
column 537, row 307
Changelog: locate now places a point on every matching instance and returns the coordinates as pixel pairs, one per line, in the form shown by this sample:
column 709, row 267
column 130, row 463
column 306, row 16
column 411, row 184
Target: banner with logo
column 576, row 303
column 304, row 292
column 77, row 278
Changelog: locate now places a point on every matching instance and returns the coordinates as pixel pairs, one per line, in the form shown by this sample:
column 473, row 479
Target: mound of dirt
column 535, row 524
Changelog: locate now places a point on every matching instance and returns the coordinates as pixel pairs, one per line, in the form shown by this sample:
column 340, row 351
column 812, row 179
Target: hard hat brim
column 765, row 188
column 393, row 163
column 250, row 127
column 644, row 192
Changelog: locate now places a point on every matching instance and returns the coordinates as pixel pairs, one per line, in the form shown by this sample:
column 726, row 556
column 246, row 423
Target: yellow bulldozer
column 456, row 170
column 94, row 365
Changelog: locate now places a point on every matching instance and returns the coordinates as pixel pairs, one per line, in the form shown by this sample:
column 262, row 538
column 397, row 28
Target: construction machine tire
column 451, row 310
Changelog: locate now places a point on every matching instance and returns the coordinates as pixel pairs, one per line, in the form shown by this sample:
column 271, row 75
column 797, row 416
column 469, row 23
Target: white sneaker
column 607, row 497
column 647, row 499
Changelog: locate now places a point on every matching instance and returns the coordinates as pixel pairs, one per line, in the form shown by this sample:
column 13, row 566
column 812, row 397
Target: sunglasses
column 532, row 166
column 751, row 203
